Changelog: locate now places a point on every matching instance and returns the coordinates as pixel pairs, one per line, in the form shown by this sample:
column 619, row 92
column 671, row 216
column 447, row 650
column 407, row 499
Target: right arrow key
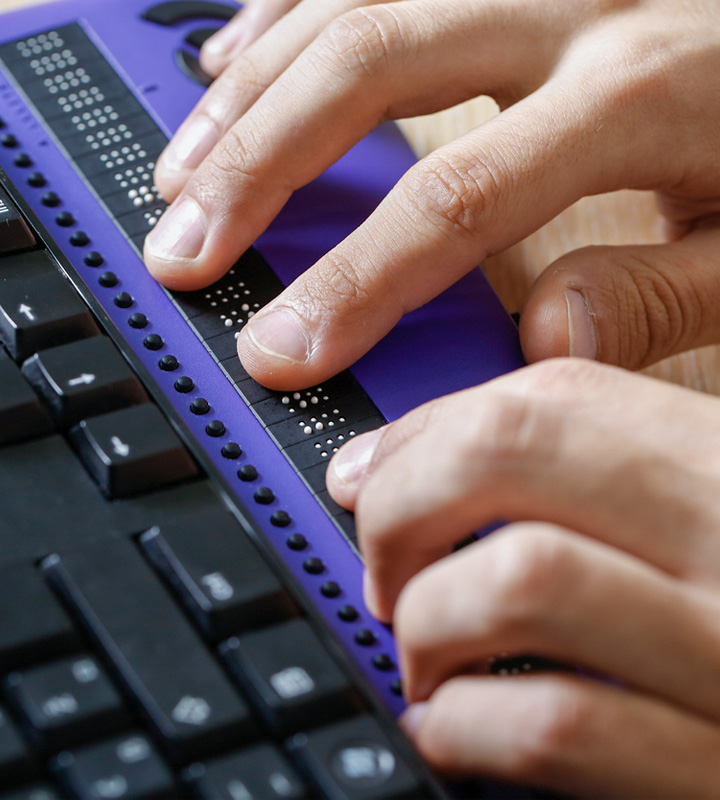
column 132, row 451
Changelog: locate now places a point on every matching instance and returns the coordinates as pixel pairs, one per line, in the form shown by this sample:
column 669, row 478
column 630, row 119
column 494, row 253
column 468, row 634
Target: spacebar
column 157, row 655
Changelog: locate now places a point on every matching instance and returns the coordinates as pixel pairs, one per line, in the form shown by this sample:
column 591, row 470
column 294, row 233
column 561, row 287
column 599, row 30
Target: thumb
column 628, row 306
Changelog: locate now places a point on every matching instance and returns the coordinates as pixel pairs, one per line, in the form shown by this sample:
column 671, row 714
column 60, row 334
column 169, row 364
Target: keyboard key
column 124, row 768
column 22, row 415
column 67, row 703
column 34, row 625
column 291, row 676
column 258, row 773
column 38, row 307
column 35, row 792
column 160, row 659
column 83, row 379
column 15, row 234
column 354, row 760
column 132, row 451
column 15, row 761
column 219, row 574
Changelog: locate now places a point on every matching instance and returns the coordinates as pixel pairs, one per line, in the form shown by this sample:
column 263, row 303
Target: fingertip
column 350, row 465
column 217, row 52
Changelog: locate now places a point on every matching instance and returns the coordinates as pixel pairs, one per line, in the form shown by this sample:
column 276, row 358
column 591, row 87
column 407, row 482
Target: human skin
column 610, row 561
column 596, row 95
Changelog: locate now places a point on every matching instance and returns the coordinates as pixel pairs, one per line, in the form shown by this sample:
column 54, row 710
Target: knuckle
column 361, row 41
column 559, row 722
column 454, row 192
column 525, row 565
column 338, row 283
column 228, row 167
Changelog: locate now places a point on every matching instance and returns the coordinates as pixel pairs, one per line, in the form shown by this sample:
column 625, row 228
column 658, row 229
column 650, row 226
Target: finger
column 241, row 83
column 629, row 306
column 503, row 451
column 569, row 735
column 242, row 30
column 535, row 588
column 366, row 60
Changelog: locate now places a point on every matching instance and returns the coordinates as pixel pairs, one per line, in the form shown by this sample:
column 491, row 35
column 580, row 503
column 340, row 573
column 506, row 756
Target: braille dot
column 137, row 320
column 199, row 406
column 314, row 565
column 296, row 541
column 184, row 384
column 215, row 428
column 153, row 341
column 51, row 199
column 168, row 363
column 247, row 473
column 348, row 613
column 231, row 450
column 8, row 140
column 22, row 160
column 65, row 219
column 396, row 687
column 365, row 637
column 37, row 179
column 330, row 589
column 123, row 300
column 79, row 239
column 383, row 662
column 280, row 519
column 93, row 259
column 108, row 279
column 264, row 496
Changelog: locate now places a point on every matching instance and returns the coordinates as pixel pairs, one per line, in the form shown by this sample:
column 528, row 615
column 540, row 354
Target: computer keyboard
column 181, row 610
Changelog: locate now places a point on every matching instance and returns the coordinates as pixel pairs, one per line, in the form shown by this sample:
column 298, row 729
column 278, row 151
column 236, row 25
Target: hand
column 598, row 95
column 611, row 562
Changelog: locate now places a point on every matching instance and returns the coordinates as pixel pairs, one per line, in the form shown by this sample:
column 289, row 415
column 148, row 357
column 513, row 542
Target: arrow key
column 131, row 451
column 83, row 379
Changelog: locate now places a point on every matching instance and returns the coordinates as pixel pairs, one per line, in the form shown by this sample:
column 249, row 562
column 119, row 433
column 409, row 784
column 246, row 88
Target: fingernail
column 412, row 718
column 225, row 40
column 353, row 458
column 280, row 333
column 191, row 144
column 179, row 234
column 581, row 327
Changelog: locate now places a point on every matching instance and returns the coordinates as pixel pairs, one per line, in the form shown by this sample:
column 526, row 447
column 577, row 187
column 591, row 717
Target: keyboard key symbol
column 110, row 788
column 120, row 447
column 192, row 711
column 292, row 682
column 365, row 765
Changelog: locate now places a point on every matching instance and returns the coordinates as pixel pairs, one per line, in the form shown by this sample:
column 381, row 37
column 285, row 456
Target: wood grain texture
column 619, row 218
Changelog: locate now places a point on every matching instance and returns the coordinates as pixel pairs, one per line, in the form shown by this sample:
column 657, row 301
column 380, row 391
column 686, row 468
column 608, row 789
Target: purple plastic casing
column 460, row 339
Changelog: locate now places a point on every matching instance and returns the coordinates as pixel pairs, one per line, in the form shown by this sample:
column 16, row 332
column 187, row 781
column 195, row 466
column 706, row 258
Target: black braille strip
column 296, row 541
column 264, row 496
column 51, row 199
column 65, row 219
column 168, row 363
column 365, row 637
column 231, row 450
column 138, row 320
column 123, row 300
column 184, row 384
column 383, row 661
column 199, row 406
column 37, row 179
column 22, row 160
column 314, row 565
column 280, row 519
column 247, row 473
column 79, row 239
column 215, row 427
column 108, row 279
column 8, row 140
column 93, row 259
column 348, row 613
column 153, row 341
column 330, row 589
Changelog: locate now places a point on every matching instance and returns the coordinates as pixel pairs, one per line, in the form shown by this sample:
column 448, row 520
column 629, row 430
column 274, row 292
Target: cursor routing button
column 14, row 232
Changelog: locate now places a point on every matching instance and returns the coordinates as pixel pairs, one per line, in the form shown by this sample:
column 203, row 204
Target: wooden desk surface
column 619, row 218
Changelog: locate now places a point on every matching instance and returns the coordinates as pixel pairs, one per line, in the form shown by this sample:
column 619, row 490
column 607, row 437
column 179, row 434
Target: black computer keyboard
column 150, row 645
